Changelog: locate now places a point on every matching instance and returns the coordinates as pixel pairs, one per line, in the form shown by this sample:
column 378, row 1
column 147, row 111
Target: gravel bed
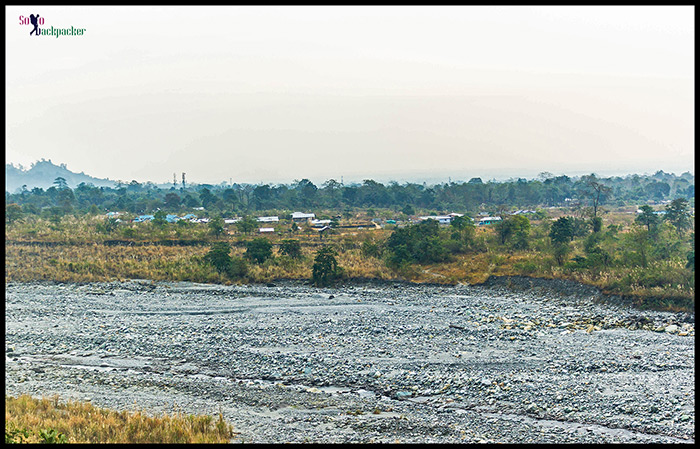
column 364, row 363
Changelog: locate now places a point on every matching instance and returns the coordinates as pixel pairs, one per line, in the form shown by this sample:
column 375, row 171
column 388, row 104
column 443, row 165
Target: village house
column 268, row 219
column 320, row 223
column 143, row 218
column 301, row 216
column 489, row 220
column 442, row 219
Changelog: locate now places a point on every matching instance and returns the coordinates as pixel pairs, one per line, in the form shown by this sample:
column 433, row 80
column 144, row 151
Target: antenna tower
column 183, row 179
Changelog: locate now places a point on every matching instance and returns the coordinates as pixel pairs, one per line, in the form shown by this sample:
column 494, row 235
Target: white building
column 442, row 219
column 300, row 216
column 268, row 219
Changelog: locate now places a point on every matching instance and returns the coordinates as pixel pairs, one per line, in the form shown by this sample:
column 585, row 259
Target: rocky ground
column 506, row 363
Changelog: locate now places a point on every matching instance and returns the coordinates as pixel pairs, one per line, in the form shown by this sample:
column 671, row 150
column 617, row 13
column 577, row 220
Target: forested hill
column 43, row 173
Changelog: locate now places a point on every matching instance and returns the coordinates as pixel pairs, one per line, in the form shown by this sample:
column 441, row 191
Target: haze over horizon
column 272, row 94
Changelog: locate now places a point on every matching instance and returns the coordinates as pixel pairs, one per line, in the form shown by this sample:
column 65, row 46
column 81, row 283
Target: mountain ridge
column 43, row 173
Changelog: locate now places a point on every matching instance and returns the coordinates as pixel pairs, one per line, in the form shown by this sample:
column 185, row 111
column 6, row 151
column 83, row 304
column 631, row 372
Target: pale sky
column 272, row 94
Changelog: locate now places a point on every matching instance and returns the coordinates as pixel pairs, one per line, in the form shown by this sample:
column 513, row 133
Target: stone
column 671, row 328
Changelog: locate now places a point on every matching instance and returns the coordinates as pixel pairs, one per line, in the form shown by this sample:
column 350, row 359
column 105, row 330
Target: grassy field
column 76, row 251
column 48, row 420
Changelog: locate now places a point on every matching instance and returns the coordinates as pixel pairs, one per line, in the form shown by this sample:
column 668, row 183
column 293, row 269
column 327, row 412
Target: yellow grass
column 81, row 422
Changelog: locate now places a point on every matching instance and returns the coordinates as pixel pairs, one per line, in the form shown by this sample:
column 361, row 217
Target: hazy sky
column 273, row 94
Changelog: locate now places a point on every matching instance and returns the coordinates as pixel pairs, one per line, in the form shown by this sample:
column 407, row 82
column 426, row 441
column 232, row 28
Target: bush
column 291, row 248
column 326, row 270
column 219, row 257
column 239, row 268
column 258, row 250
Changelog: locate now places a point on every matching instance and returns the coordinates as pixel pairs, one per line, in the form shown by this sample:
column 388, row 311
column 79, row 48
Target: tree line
column 587, row 191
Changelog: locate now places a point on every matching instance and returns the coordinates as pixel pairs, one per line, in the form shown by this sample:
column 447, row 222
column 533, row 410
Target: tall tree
column 678, row 215
column 647, row 217
column 595, row 190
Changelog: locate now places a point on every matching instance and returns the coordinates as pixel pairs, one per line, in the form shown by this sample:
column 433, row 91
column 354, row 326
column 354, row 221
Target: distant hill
column 43, row 173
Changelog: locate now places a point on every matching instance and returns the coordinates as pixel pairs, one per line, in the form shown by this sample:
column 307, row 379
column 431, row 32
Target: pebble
column 251, row 348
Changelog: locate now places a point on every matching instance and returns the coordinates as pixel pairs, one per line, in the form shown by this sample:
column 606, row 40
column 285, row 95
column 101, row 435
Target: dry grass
column 79, row 255
column 81, row 422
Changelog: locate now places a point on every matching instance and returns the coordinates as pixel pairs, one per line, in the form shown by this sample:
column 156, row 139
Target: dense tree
column 515, row 229
column 258, row 250
column 562, row 230
column 326, row 270
column 291, row 248
column 219, row 256
column 13, row 213
column 678, row 215
column 647, row 217
column 172, row 200
column 408, row 198
column 419, row 243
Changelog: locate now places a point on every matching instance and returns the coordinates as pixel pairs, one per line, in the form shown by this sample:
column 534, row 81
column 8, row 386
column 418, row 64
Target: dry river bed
column 362, row 363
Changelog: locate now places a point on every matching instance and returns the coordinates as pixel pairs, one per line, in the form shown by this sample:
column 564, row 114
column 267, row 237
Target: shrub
column 239, row 268
column 258, row 250
column 291, row 248
column 371, row 249
column 219, row 257
column 326, row 270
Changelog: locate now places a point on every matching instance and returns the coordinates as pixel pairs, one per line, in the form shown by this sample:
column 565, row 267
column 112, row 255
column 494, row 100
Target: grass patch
column 32, row 420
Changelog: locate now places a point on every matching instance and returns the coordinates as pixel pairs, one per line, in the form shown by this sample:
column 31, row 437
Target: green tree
column 561, row 250
column 246, row 225
column 639, row 246
column 60, row 183
column 13, row 213
column 595, row 190
column 216, row 226
column 159, row 219
column 678, row 215
column 515, row 229
column 562, row 230
column 647, row 217
column 219, row 256
column 419, row 243
column 172, row 200
column 291, row 248
column 326, row 270
column 258, row 250
column 596, row 224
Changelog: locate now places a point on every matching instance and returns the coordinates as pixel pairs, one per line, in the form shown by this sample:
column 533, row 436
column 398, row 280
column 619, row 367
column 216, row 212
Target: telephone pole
column 183, row 180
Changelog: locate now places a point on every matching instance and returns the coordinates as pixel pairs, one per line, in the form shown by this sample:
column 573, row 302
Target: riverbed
column 361, row 363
